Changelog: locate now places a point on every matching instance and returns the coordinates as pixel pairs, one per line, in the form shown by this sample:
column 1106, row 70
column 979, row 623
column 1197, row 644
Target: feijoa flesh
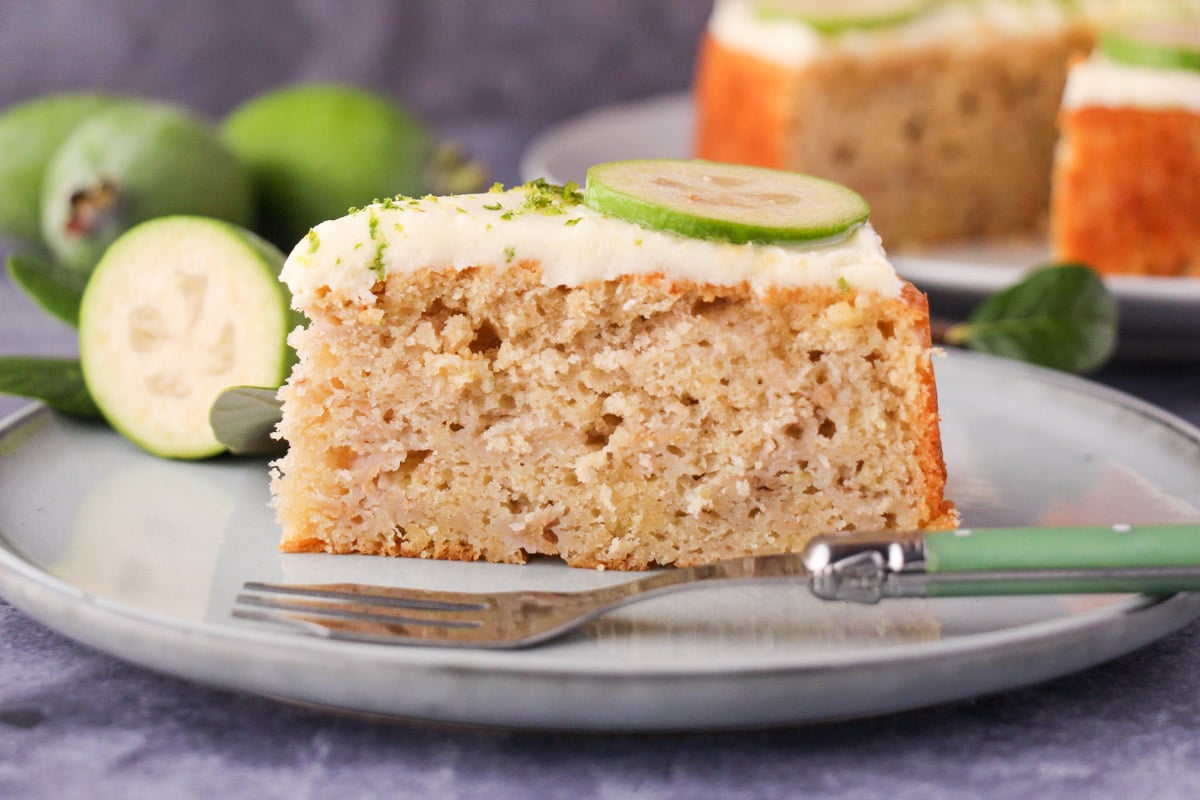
column 179, row 309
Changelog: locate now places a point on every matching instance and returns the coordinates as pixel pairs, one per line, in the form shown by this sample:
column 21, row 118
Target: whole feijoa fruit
column 179, row 309
column 133, row 162
column 30, row 133
column 317, row 150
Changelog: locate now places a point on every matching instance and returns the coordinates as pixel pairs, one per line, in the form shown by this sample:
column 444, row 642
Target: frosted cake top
column 572, row 243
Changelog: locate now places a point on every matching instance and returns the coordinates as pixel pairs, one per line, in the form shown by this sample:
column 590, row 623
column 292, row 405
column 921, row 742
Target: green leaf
column 1060, row 316
column 57, row 382
column 243, row 419
column 57, row 289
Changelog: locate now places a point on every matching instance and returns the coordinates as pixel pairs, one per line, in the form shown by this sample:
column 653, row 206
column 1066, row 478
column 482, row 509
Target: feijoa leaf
column 55, row 288
column 57, row 382
column 1060, row 316
column 243, row 418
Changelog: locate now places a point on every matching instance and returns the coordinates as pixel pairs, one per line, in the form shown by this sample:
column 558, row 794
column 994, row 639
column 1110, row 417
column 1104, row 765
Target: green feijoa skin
column 30, row 133
column 709, row 200
column 838, row 17
column 130, row 163
column 318, row 150
column 1163, row 45
column 179, row 309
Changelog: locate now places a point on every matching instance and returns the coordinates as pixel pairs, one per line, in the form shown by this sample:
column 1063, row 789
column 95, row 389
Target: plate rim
column 42, row 595
column 1150, row 620
column 512, row 661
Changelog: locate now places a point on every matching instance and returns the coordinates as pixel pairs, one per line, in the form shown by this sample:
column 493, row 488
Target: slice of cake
column 512, row 373
column 1127, row 175
column 941, row 113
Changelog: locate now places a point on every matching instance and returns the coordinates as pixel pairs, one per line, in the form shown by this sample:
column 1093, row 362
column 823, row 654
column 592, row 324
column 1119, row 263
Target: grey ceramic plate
column 141, row 558
column 1160, row 317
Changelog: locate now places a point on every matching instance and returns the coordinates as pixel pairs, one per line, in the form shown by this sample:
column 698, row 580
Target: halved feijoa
column 177, row 310
column 131, row 162
column 1167, row 45
column 709, row 200
column 835, row 17
column 30, row 133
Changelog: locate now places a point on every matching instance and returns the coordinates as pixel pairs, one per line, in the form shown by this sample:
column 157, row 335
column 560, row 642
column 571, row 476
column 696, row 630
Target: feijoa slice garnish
column 731, row 202
column 1163, row 45
column 830, row 17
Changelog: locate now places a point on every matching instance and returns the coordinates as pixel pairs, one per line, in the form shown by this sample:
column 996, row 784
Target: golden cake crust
column 742, row 107
column 1127, row 191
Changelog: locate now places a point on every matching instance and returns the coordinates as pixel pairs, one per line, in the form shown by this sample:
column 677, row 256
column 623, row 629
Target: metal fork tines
column 410, row 616
column 377, row 613
column 500, row 620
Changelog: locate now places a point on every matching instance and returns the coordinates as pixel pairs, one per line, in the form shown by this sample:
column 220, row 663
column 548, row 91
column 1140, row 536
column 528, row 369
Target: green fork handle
column 1094, row 558
column 867, row 566
column 1084, row 547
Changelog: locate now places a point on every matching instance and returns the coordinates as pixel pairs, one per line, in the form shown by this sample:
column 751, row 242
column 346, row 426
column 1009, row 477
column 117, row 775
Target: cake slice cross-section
column 516, row 373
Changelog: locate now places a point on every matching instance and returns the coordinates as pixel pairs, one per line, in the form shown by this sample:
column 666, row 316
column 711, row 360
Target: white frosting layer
column 791, row 43
column 1099, row 81
column 573, row 246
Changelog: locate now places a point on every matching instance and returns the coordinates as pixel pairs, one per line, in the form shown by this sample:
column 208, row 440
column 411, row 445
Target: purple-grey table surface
column 77, row 723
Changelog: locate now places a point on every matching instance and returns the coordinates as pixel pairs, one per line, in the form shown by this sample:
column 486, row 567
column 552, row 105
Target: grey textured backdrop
column 75, row 723
column 462, row 65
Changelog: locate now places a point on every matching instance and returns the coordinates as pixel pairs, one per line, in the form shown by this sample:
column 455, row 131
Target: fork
column 863, row 567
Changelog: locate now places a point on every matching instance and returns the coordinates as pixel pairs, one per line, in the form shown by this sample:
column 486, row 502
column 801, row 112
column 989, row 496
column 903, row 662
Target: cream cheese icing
column 572, row 243
column 1100, row 81
column 789, row 42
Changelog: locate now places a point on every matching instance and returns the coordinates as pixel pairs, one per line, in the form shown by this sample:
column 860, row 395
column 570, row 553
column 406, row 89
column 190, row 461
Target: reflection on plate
column 142, row 558
column 1160, row 317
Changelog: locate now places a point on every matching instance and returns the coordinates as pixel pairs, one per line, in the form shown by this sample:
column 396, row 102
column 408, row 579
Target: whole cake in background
column 941, row 112
column 1127, row 173
column 520, row 372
